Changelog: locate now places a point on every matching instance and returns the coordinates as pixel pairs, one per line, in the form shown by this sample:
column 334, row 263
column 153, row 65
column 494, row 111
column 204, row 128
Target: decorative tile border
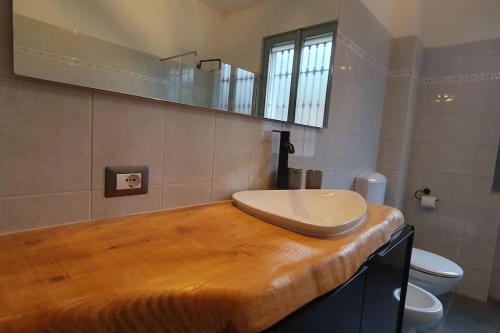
column 458, row 78
column 401, row 73
column 461, row 78
column 73, row 61
column 356, row 48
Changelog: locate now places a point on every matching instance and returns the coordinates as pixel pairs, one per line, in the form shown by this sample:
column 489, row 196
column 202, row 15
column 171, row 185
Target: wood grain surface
column 208, row 268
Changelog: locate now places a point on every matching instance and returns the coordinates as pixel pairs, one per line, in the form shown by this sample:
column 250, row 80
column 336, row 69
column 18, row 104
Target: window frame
column 496, row 176
column 298, row 36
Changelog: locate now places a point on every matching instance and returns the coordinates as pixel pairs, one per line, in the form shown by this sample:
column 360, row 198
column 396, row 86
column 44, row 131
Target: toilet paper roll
column 428, row 202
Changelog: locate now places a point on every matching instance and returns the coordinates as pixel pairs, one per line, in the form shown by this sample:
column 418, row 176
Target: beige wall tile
column 297, row 134
column 427, row 127
column 103, row 207
column 397, row 94
column 392, row 183
column 393, row 122
column 457, row 159
column 45, row 137
column 490, row 123
column 480, row 194
column 233, row 142
column 459, row 188
column 453, row 158
column 482, row 223
column 264, row 155
column 339, row 180
column 344, row 101
column 425, row 156
column 477, row 254
column 126, row 131
column 367, row 120
column 365, row 150
column 451, row 217
column 431, row 239
column 265, row 183
column 421, row 179
column 189, row 145
column 324, row 151
column 460, row 127
column 485, row 160
column 44, row 210
column 223, row 189
column 390, row 154
column 418, row 216
column 475, row 283
column 181, row 195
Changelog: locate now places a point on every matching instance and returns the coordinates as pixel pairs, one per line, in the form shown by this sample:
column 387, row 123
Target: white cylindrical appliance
column 371, row 185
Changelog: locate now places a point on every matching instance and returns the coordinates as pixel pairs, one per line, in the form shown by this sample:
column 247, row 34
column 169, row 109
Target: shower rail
column 195, row 52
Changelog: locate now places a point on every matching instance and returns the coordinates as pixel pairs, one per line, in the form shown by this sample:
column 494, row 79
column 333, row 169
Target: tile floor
column 465, row 315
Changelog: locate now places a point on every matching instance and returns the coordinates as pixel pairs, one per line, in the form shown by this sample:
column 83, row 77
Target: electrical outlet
column 126, row 180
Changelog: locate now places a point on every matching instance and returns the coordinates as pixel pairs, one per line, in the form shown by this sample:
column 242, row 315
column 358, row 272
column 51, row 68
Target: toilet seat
column 433, row 264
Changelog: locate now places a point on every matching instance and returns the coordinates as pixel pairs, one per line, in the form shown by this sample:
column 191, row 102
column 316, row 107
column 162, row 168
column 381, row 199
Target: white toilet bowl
column 434, row 273
column 422, row 309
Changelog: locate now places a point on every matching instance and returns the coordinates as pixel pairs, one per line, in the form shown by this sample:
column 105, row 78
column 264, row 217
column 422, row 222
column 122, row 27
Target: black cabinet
column 338, row 311
column 365, row 303
column 387, row 271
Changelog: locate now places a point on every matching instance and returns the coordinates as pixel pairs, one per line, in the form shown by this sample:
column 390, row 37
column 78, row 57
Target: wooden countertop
column 208, row 268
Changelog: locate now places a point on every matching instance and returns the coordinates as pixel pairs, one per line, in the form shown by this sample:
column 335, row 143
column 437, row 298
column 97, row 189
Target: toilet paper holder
column 422, row 192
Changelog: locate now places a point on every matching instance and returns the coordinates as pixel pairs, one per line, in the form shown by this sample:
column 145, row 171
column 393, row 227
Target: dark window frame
column 298, row 36
column 496, row 178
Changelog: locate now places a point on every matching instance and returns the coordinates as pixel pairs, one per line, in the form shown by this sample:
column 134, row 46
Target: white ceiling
column 229, row 6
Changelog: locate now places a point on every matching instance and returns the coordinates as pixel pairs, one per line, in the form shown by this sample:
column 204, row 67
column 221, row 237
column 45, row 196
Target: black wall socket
column 125, row 180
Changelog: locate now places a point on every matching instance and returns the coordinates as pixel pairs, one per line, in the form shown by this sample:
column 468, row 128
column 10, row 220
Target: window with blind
column 244, row 87
column 297, row 73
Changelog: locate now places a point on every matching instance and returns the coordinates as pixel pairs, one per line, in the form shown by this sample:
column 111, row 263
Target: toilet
column 422, row 309
column 430, row 271
column 434, row 273
column 430, row 274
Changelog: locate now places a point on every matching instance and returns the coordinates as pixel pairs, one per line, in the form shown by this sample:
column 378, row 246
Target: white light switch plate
column 125, row 181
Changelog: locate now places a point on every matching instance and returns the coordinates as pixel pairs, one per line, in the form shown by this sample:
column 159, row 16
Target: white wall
column 449, row 22
column 243, row 30
column 400, row 17
column 151, row 26
column 439, row 23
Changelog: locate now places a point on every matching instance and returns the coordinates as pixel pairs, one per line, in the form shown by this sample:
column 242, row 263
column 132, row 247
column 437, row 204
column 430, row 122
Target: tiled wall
column 350, row 145
column 453, row 152
column 56, row 140
column 398, row 117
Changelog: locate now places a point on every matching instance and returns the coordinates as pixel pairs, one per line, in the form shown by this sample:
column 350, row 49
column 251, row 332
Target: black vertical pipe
column 283, row 160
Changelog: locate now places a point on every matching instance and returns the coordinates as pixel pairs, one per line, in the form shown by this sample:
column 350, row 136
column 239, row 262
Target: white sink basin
column 320, row 213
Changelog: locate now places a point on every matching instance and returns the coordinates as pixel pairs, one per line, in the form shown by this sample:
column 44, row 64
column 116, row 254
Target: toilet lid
column 434, row 264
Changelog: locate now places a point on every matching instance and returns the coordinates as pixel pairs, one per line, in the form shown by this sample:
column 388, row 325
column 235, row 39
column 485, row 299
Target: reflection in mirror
column 267, row 58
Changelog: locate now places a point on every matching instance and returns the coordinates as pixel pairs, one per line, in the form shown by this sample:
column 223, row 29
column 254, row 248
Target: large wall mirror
column 267, row 58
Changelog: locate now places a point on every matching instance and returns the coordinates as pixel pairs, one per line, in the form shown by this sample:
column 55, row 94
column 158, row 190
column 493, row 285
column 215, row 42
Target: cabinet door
column 387, row 270
column 337, row 312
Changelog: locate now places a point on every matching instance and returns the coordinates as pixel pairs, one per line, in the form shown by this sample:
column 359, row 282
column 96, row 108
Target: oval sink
column 320, row 213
